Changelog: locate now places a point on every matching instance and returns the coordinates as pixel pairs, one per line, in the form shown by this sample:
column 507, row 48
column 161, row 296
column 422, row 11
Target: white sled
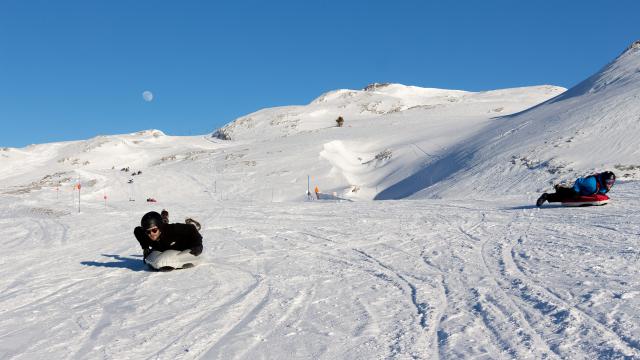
column 173, row 259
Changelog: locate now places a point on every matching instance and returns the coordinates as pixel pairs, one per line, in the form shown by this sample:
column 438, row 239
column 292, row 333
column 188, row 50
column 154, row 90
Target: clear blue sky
column 76, row 69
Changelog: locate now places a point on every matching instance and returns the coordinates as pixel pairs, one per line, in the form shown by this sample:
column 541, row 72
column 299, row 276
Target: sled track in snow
column 421, row 308
column 487, row 301
column 208, row 327
column 544, row 311
column 522, row 318
column 502, row 315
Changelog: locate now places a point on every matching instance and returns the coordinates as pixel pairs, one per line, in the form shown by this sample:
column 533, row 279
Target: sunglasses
column 610, row 182
column 152, row 231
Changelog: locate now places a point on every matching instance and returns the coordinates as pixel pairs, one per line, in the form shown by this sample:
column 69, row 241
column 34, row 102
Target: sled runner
column 587, row 200
column 170, row 268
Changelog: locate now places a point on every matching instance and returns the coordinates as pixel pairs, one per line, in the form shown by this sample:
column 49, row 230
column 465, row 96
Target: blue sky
column 76, row 69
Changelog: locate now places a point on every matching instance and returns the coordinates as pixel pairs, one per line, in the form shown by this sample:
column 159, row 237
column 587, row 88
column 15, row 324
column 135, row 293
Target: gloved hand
column 146, row 253
column 196, row 250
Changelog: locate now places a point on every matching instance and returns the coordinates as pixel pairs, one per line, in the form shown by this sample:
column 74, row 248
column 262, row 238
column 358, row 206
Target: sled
column 587, row 200
column 172, row 260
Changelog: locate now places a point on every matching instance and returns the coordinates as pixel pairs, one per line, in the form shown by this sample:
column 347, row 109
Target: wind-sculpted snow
column 327, row 280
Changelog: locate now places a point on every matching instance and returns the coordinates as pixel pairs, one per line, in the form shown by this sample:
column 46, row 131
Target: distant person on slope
column 590, row 185
column 168, row 246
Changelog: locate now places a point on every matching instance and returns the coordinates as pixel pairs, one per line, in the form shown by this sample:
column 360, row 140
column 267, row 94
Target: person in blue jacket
column 594, row 184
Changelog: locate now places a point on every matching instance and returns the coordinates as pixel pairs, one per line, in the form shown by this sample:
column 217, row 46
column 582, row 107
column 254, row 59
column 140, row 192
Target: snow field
column 395, row 279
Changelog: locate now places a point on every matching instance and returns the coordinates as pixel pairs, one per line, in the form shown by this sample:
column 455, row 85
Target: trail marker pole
column 79, row 186
column 132, row 195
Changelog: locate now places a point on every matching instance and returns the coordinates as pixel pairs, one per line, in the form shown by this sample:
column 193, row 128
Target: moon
column 147, row 96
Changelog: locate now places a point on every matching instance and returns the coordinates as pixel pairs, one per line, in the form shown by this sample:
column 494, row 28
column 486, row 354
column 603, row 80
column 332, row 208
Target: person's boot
column 192, row 222
column 541, row 200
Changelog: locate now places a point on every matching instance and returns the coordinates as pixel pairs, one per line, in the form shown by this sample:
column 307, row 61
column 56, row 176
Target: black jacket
column 172, row 237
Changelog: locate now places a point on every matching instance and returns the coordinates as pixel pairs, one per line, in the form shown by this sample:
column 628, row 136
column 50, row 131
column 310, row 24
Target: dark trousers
column 562, row 194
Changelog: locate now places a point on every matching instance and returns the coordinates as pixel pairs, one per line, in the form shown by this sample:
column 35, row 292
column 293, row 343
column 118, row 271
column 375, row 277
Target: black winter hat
column 150, row 220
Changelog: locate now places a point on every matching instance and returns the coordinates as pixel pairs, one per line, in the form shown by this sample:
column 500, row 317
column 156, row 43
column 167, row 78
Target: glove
column 196, row 250
column 146, row 253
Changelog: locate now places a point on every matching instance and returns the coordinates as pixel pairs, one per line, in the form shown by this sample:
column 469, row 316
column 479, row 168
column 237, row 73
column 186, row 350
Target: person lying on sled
column 590, row 185
column 168, row 246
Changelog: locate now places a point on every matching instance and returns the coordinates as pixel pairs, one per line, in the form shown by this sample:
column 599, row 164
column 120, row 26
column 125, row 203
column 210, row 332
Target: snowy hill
column 591, row 127
column 390, row 132
column 98, row 164
column 373, row 101
column 468, row 268
column 385, row 139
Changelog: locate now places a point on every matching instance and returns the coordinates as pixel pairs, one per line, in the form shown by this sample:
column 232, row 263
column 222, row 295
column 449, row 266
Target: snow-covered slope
column 390, row 132
column 325, row 280
column 103, row 164
column 373, row 101
column 591, row 127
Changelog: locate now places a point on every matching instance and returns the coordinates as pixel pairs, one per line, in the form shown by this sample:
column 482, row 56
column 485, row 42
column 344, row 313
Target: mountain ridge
column 397, row 142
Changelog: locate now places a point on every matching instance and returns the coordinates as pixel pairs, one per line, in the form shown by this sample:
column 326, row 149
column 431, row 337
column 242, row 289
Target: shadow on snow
column 131, row 263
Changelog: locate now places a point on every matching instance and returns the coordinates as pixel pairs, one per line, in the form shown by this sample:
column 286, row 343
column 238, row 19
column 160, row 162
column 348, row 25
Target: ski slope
column 456, row 263
column 360, row 280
